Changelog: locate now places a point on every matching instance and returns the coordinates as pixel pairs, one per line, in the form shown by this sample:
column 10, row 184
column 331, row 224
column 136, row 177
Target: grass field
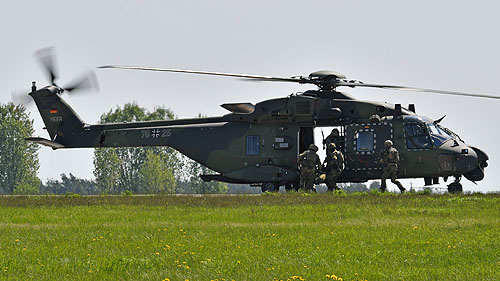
column 297, row 236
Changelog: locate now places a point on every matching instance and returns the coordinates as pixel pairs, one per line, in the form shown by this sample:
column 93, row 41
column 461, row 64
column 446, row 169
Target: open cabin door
column 325, row 134
column 363, row 143
column 306, row 137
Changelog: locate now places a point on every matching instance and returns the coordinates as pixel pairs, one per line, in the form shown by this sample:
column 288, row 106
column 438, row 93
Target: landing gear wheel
column 269, row 187
column 456, row 186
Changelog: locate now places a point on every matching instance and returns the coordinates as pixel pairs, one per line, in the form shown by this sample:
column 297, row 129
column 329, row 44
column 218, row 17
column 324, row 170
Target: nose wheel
column 269, row 187
column 456, row 186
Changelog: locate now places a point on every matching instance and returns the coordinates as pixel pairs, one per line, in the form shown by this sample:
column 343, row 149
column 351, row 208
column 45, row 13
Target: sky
column 448, row 45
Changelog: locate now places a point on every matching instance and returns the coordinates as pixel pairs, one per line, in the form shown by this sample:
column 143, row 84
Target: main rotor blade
column 246, row 76
column 412, row 89
column 46, row 58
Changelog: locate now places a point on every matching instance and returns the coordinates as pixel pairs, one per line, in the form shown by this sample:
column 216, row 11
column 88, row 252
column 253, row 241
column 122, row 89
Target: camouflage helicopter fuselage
column 259, row 144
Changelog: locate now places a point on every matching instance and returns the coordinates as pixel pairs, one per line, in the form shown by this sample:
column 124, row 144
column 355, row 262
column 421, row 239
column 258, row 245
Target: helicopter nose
column 482, row 162
column 466, row 161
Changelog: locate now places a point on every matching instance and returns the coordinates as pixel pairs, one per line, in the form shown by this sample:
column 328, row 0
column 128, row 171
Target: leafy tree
column 18, row 158
column 107, row 166
column 69, row 184
column 118, row 169
column 155, row 174
column 197, row 185
column 26, row 189
column 147, row 169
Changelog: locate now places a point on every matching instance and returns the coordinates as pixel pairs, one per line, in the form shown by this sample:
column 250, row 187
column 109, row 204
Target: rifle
column 324, row 142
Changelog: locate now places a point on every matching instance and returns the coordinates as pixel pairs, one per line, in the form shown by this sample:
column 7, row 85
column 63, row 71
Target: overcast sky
column 449, row 45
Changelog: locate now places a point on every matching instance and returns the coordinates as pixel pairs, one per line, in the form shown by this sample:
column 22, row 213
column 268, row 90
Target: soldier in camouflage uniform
column 334, row 163
column 308, row 163
column 333, row 137
column 390, row 157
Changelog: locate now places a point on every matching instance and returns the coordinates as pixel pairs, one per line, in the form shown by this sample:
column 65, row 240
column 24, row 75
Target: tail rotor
column 87, row 82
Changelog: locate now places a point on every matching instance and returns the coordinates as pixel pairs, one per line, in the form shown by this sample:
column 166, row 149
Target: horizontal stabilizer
column 54, row 145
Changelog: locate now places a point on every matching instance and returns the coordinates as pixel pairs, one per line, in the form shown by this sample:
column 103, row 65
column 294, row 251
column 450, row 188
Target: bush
column 339, row 192
column 127, row 193
column 71, row 194
column 26, row 189
column 426, row 191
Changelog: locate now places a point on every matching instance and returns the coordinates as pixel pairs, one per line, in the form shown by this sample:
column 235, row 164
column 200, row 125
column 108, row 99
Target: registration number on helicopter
column 156, row 133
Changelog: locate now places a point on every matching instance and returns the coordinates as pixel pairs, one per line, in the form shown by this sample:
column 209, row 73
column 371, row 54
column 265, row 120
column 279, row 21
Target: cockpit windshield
column 416, row 136
column 438, row 134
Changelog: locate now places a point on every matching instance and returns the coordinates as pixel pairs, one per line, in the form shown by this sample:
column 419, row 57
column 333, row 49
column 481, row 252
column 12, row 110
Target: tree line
column 123, row 170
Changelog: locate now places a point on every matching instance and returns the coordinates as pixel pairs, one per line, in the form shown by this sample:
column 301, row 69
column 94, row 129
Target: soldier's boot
column 382, row 188
column 400, row 186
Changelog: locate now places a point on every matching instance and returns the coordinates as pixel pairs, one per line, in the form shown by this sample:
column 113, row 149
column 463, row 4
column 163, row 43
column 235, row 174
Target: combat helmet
column 313, row 147
column 388, row 143
column 332, row 146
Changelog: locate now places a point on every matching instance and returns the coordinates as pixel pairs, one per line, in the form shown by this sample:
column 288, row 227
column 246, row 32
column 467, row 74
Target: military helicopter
column 258, row 143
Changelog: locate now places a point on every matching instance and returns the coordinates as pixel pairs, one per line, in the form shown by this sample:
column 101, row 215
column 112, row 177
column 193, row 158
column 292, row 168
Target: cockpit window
column 417, row 137
column 438, row 134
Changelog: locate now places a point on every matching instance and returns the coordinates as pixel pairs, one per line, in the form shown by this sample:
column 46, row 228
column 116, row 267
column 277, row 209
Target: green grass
column 270, row 237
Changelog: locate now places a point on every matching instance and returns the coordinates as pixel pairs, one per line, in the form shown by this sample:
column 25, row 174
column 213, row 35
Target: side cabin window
column 417, row 137
column 364, row 141
column 253, row 145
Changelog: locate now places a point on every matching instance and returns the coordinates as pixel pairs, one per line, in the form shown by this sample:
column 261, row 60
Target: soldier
column 308, row 163
column 334, row 163
column 390, row 157
column 333, row 137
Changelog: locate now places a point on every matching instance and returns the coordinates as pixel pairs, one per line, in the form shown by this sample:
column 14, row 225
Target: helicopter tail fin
column 61, row 121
